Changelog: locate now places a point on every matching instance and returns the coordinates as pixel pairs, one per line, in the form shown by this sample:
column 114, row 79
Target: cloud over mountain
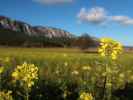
column 95, row 15
column 98, row 15
column 125, row 20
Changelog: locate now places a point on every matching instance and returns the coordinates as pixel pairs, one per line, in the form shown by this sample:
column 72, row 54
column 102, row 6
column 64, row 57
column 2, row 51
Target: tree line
column 13, row 38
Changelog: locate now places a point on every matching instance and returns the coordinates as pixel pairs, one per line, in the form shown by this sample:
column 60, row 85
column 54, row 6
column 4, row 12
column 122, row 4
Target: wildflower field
column 64, row 74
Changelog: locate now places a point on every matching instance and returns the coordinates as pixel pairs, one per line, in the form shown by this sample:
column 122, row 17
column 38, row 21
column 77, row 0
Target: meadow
column 65, row 72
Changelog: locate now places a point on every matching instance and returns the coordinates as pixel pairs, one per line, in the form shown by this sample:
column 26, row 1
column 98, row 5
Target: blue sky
column 100, row 18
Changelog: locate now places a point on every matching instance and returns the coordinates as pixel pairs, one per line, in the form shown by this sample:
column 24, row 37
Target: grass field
column 64, row 65
column 42, row 56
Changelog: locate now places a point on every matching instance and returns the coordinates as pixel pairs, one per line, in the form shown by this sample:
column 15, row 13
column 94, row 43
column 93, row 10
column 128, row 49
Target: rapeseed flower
column 66, row 63
column 110, row 47
column 86, row 96
column 1, row 69
column 121, row 75
column 26, row 73
column 65, row 55
column 75, row 72
column 6, row 95
column 109, row 84
column 88, row 68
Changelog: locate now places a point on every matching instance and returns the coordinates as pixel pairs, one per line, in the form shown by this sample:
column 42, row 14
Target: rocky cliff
column 18, row 26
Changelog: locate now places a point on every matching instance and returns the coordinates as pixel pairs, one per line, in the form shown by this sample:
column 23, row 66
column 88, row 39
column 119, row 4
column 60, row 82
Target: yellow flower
column 66, row 63
column 65, row 55
column 108, row 84
column 131, row 77
column 121, row 75
column 109, row 47
column 86, row 96
column 1, row 69
column 30, row 84
column 26, row 73
column 86, row 68
column 6, row 95
column 75, row 72
column 114, row 56
column 15, row 74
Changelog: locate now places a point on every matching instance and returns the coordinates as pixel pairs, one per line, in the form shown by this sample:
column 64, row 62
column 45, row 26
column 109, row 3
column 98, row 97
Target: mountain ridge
column 18, row 33
column 20, row 26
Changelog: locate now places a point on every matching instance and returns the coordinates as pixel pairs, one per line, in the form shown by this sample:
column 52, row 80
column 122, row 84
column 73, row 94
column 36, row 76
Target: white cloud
column 94, row 15
column 53, row 1
column 125, row 20
column 98, row 15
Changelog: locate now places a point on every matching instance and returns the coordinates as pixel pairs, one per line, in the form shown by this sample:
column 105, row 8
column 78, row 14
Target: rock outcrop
column 18, row 26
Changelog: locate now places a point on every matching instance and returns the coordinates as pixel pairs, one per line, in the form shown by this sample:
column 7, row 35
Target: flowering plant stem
column 27, row 96
column 107, row 88
column 0, row 82
column 27, row 93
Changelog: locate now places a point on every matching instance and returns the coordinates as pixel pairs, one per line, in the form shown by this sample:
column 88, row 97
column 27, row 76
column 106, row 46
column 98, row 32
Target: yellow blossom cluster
column 26, row 73
column 75, row 72
column 86, row 68
column 110, row 47
column 6, row 95
column 1, row 69
column 86, row 96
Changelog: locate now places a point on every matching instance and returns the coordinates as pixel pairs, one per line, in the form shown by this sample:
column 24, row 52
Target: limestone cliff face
column 7, row 23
